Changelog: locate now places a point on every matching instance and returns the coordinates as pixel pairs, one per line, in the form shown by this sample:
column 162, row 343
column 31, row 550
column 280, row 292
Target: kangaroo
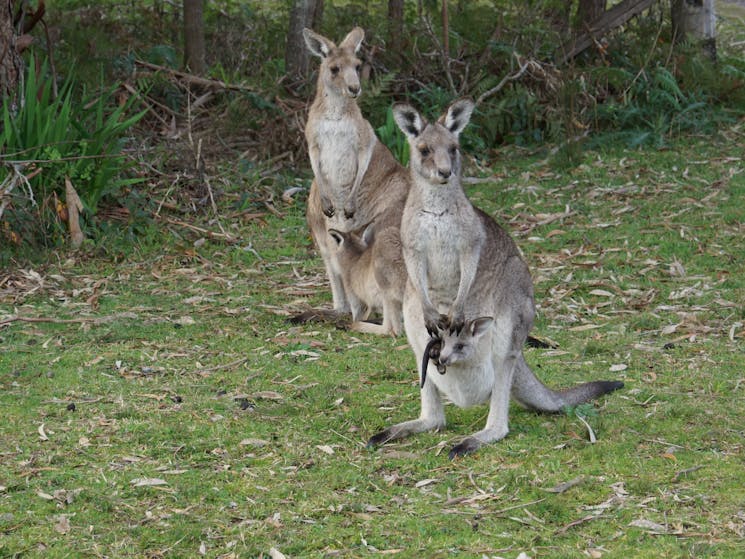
column 356, row 178
column 462, row 265
column 375, row 276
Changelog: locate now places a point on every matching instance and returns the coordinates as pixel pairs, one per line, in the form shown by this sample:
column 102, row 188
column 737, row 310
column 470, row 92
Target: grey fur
column 469, row 287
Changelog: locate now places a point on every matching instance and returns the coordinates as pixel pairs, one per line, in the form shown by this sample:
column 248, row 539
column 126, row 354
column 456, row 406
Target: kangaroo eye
column 334, row 70
column 453, row 151
column 458, row 347
column 358, row 68
column 425, row 151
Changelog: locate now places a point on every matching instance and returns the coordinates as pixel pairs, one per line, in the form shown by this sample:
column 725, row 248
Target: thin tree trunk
column 296, row 55
column 695, row 19
column 445, row 28
column 395, row 24
column 11, row 65
column 194, row 58
column 317, row 15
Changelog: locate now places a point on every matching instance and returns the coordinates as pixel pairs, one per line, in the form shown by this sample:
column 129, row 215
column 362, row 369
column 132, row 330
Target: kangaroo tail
column 532, row 393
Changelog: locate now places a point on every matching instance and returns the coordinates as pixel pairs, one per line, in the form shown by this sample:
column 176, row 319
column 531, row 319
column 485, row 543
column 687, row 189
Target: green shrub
column 391, row 136
column 52, row 138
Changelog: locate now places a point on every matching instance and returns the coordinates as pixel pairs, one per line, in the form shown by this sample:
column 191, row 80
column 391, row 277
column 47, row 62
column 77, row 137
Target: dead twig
column 505, row 80
column 149, row 104
column 231, row 365
column 577, row 522
column 192, row 79
column 443, row 55
column 685, row 472
column 51, row 320
column 226, row 237
column 11, row 181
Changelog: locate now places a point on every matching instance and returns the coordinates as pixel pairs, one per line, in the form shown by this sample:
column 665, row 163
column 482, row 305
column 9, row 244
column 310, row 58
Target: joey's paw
column 466, row 446
column 437, row 324
column 380, row 438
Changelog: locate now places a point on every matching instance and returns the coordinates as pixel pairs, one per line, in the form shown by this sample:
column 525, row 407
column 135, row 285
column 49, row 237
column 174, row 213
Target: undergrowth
column 55, row 138
column 637, row 89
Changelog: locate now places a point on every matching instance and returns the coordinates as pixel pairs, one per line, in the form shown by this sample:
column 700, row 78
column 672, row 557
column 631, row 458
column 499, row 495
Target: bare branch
column 443, row 55
column 508, row 78
column 191, row 78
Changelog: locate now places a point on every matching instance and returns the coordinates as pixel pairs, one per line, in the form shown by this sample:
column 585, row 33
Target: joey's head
column 340, row 68
column 434, row 146
column 351, row 245
column 462, row 345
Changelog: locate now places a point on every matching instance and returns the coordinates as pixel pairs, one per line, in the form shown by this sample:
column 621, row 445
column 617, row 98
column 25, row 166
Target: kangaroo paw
column 466, row 446
column 381, row 438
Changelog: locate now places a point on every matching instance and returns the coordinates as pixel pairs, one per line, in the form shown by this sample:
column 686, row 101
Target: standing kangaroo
column 375, row 276
column 357, row 179
column 470, row 289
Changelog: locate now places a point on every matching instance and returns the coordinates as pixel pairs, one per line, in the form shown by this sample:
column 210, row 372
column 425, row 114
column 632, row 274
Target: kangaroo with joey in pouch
column 468, row 304
column 357, row 181
column 375, row 276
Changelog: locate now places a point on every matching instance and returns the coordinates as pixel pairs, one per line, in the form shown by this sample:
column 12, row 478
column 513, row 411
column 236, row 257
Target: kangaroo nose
column 444, row 173
column 354, row 90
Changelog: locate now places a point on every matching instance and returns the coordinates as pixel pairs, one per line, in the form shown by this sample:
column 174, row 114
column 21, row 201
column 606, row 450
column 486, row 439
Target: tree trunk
column 445, row 28
column 317, row 15
column 695, row 19
column 296, row 54
column 194, row 59
column 11, row 65
column 395, row 25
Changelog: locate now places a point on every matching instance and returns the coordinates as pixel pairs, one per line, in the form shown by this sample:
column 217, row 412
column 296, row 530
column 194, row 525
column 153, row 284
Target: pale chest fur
column 438, row 239
column 338, row 143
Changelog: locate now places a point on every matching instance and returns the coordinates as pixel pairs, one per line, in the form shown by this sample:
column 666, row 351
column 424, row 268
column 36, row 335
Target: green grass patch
column 156, row 403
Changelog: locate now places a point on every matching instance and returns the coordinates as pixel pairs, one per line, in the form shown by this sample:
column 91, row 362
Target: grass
column 205, row 425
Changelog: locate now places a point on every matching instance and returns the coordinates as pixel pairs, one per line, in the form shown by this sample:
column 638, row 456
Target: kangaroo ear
column 368, row 235
column 408, row 119
column 317, row 44
column 457, row 116
column 353, row 39
column 480, row 326
column 338, row 236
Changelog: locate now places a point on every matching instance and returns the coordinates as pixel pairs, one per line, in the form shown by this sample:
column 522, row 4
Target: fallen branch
column 227, row 237
column 192, row 79
column 51, row 320
column 230, row 365
column 149, row 104
column 608, row 21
